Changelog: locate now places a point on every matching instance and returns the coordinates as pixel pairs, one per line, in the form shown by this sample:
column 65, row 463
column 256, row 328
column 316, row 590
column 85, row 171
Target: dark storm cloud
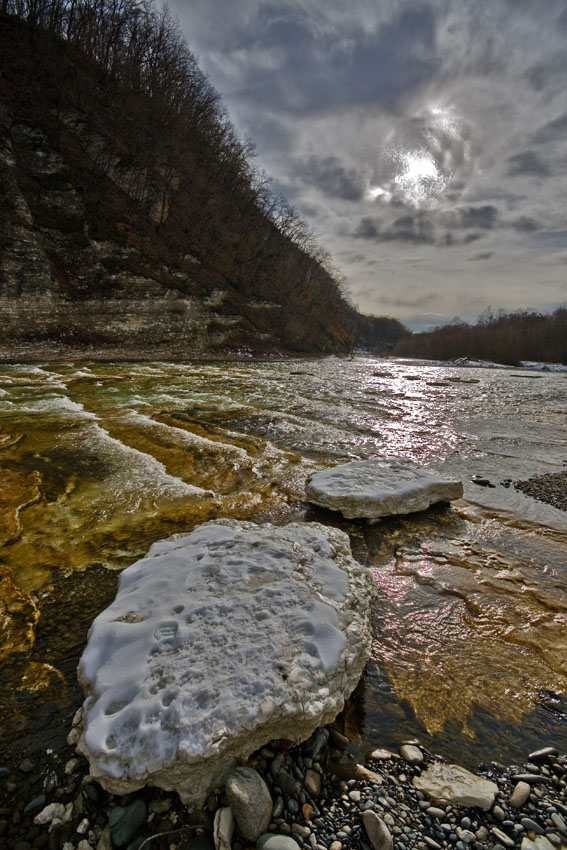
column 553, row 238
column 553, row 131
column 316, row 69
column 548, row 74
column 414, row 229
column 484, row 217
column 527, row 163
column 484, row 255
column 525, row 224
column 333, row 178
column 423, row 229
column 367, row 228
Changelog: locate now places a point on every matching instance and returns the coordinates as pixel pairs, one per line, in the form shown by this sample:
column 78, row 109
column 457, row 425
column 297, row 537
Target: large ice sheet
column 380, row 487
column 217, row 642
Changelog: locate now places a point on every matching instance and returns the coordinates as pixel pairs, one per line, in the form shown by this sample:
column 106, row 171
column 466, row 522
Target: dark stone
column 91, row 792
column 198, row 842
column 35, row 805
column 125, row 821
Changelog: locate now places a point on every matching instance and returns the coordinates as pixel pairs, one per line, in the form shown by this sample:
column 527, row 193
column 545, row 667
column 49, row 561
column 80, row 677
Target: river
column 98, row 460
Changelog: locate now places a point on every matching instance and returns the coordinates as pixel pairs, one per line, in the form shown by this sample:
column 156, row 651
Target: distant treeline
column 500, row 337
column 189, row 191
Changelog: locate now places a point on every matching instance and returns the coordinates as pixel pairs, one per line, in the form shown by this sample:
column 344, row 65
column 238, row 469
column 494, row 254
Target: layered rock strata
column 217, row 642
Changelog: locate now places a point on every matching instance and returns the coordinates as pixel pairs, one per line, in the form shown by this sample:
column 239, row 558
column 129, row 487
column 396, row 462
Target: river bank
column 550, row 488
column 320, row 801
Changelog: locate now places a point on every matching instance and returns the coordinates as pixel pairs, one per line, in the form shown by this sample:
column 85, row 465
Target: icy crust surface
column 380, row 487
column 217, row 642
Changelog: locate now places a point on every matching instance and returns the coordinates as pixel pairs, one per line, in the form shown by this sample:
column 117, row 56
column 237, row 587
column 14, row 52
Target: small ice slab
column 380, row 487
column 217, row 642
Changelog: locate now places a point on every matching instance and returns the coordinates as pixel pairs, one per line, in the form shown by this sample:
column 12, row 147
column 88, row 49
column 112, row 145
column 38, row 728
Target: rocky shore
column 550, row 488
column 308, row 796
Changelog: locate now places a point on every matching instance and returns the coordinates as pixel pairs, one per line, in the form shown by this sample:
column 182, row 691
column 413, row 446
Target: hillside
column 132, row 222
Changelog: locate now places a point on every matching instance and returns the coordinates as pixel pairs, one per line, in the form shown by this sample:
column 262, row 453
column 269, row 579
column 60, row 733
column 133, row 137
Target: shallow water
column 97, row 461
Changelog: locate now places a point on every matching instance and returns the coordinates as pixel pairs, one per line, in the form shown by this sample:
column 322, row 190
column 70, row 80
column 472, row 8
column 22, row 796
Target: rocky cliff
column 131, row 229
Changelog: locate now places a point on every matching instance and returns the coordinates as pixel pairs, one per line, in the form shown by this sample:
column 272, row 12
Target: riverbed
column 99, row 460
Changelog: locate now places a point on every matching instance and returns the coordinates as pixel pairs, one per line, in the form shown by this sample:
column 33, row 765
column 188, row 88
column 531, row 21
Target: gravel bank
column 550, row 488
column 318, row 803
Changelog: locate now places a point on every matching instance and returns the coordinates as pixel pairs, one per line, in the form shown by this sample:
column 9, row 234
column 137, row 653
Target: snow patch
column 217, row 642
column 380, row 487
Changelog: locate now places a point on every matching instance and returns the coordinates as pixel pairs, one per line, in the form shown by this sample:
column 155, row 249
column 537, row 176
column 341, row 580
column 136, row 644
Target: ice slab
column 380, row 487
column 219, row 641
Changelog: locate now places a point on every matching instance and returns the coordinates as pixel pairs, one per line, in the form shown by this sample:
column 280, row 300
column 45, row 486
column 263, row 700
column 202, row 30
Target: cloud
column 555, row 130
column 367, row 228
column 484, row 217
column 333, row 178
column 483, row 255
column 549, row 74
column 429, row 228
column 527, row 163
column 423, row 300
column 525, row 224
column 416, row 229
column 407, row 129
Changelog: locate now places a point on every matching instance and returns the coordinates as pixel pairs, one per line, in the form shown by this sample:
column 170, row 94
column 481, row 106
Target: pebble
column 532, row 826
column 530, row 778
column 292, row 806
column 411, row 754
column 35, row 805
column 378, row 833
column 271, row 841
column 313, row 782
column 250, row 801
column 223, row 828
column 332, row 814
column 298, row 829
column 520, row 795
column 504, row 839
column 434, row 812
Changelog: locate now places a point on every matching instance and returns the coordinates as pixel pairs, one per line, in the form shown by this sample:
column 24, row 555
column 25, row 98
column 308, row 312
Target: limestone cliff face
column 49, row 261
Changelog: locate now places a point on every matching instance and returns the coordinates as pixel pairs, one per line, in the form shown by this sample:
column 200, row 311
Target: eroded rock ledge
column 217, row 642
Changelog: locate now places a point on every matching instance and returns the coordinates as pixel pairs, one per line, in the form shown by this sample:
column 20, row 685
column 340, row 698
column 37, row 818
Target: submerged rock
column 451, row 784
column 217, row 642
column 380, row 487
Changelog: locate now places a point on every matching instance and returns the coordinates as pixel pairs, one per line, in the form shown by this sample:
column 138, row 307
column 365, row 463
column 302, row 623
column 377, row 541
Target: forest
column 117, row 78
column 501, row 337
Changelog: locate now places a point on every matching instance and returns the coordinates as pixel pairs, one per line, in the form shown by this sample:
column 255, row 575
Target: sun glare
column 419, row 179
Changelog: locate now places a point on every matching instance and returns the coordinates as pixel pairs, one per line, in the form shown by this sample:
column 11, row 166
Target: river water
column 98, row 460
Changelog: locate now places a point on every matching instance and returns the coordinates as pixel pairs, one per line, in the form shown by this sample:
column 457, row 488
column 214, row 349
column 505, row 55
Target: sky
column 424, row 143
